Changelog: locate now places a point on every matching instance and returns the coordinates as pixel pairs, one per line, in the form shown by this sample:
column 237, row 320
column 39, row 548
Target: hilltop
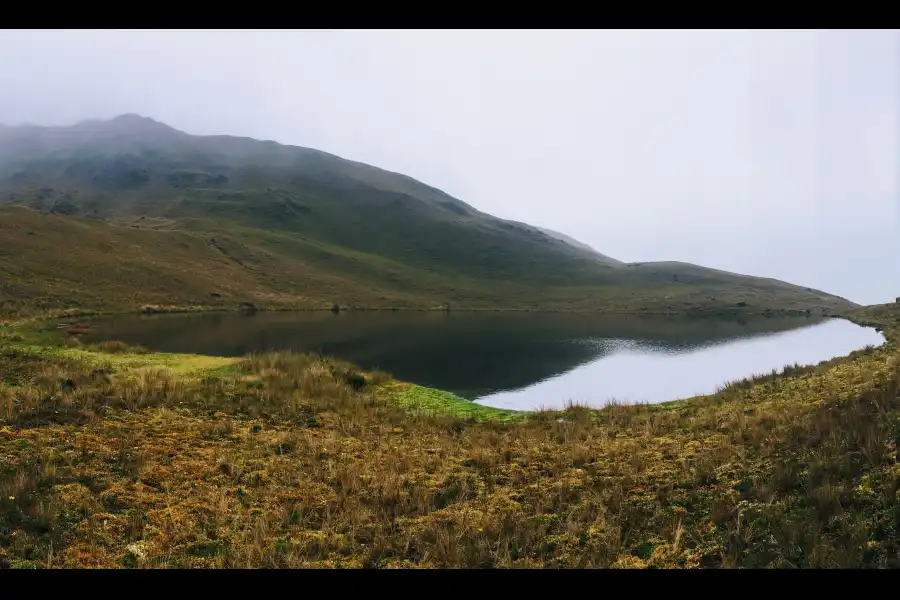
column 130, row 211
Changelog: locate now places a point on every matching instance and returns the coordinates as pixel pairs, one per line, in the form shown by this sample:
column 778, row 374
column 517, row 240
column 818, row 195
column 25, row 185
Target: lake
column 517, row 360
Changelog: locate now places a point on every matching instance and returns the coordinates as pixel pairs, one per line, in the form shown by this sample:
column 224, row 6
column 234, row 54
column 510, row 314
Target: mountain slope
column 576, row 244
column 299, row 226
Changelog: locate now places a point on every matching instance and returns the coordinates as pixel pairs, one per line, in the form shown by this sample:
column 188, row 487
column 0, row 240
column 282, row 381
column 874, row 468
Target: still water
column 520, row 361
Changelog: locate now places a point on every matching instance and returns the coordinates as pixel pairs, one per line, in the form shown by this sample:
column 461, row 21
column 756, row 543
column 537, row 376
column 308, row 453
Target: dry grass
column 280, row 461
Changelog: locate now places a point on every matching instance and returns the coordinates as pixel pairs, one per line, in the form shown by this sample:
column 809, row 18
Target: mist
column 770, row 153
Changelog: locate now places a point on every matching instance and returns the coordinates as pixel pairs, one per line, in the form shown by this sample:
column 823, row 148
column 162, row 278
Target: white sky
column 772, row 153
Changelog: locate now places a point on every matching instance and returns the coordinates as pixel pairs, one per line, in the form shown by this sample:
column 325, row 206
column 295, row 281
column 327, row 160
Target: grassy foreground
column 114, row 457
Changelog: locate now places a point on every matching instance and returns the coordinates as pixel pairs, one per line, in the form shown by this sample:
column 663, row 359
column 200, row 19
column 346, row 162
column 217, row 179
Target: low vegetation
column 116, row 458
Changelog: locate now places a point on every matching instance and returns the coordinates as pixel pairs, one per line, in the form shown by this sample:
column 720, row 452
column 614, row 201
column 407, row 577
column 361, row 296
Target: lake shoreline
column 433, row 399
column 697, row 312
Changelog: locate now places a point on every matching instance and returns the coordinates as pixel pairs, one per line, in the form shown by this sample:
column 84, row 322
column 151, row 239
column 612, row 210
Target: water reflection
column 510, row 359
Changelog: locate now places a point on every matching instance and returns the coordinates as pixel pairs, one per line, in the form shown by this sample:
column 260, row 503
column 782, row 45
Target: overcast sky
column 767, row 153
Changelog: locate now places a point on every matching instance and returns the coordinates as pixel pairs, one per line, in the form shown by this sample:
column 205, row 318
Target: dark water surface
column 515, row 360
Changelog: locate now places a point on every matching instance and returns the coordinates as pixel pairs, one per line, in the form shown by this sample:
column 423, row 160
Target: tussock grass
column 116, row 347
column 283, row 460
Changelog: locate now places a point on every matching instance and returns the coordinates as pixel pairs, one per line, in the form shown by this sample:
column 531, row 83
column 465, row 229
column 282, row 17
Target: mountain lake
column 522, row 361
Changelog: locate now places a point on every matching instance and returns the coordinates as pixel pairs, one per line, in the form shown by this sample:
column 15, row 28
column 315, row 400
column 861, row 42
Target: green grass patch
column 430, row 401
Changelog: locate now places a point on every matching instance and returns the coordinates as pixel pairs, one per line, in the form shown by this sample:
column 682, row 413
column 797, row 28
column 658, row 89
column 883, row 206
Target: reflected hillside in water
column 471, row 354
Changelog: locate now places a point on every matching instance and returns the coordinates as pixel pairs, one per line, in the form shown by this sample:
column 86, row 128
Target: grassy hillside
column 51, row 262
column 116, row 458
column 137, row 166
column 283, row 226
